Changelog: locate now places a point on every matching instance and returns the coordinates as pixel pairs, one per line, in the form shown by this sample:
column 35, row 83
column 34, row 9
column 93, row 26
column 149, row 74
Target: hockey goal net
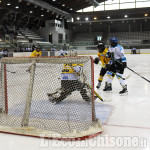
column 25, row 108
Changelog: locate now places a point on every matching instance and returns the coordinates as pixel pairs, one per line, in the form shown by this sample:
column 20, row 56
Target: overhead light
column 63, row 5
column 125, row 16
column 78, row 18
column 31, row 12
column 54, row 0
column 17, row 7
column 19, row 1
column 56, row 16
column 86, row 18
column 108, row 17
column 8, row 4
column 72, row 19
column 145, row 15
column 47, row 10
column 71, row 9
column 95, row 18
column 42, row 15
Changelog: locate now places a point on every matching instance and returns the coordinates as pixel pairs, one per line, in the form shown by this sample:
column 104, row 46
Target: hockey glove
column 96, row 60
column 107, row 66
column 108, row 55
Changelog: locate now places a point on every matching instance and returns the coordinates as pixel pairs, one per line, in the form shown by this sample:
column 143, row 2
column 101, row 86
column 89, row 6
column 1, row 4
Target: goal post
column 25, row 108
column 25, row 119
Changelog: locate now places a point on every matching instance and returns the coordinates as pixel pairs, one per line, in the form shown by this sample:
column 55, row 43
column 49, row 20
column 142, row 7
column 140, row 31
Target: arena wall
column 80, row 52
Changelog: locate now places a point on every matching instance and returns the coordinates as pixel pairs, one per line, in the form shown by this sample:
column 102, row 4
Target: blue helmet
column 113, row 40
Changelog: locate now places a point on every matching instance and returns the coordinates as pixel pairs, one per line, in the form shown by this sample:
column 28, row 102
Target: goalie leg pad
column 58, row 95
column 84, row 95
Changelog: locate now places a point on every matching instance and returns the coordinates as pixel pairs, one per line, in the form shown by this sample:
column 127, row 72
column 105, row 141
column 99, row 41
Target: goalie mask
column 101, row 47
column 73, row 52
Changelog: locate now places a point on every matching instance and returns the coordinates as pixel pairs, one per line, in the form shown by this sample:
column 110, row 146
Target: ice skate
column 108, row 87
column 98, row 85
column 51, row 98
column 124, row 90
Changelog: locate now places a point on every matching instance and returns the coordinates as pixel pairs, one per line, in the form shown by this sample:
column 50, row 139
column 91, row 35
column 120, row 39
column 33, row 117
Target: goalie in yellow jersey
column 35, row 53
column 70, row 81
column 104, row 58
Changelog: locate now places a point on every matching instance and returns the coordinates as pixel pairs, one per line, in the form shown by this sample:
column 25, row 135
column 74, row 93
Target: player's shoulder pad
column 105, row 51
column 120, row 47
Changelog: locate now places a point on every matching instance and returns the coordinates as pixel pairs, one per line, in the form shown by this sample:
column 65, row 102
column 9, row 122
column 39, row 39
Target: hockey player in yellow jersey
column 70, row 81
column 36, row 53
column 102, row 56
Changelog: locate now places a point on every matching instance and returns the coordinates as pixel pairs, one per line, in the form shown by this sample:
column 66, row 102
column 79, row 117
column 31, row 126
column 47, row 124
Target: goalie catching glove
column 96, row 60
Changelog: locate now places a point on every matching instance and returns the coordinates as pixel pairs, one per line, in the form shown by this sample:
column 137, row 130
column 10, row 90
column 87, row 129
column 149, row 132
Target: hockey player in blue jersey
column 117, row 64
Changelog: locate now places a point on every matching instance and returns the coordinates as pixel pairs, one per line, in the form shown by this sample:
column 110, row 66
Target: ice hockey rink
column 125, row 118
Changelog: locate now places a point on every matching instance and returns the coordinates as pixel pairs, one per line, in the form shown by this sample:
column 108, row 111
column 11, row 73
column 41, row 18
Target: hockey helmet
column 73, row 52
column 113, row 41
column 101, row 47
column 38, row 48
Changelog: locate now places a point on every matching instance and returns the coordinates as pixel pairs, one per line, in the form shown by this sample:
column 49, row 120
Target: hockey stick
column 11, row 71
column 138, row 74
column 125, row 78
column 97, row 96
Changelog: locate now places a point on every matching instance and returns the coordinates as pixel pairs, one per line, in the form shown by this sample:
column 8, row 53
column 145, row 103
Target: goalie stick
column 96, row 94
column 11, row 71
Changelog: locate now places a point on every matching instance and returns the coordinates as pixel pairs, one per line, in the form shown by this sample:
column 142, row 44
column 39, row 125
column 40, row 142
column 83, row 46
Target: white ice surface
column 122, row 116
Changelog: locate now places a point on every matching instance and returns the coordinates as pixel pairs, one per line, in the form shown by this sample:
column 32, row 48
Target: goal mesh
column 25, row 107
